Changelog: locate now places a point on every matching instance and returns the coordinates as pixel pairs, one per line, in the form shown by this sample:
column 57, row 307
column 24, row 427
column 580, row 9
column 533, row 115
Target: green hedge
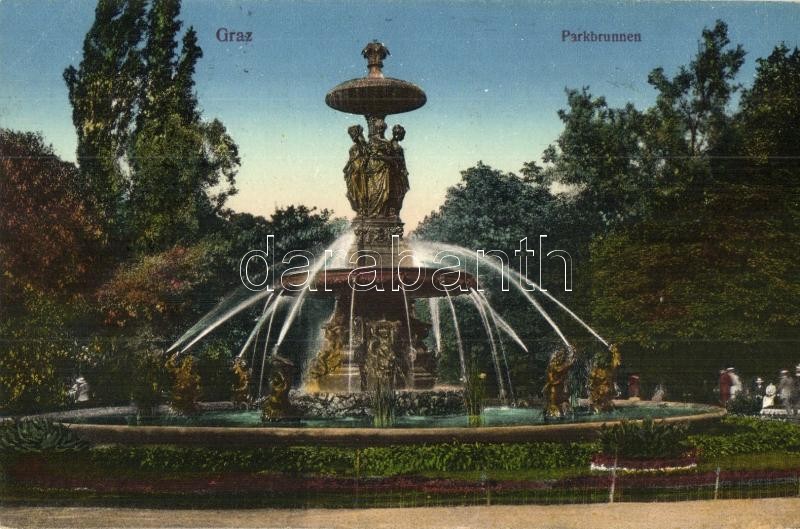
column 750, row 435
column 163, row 458
column 387, row 461
column 377, row 461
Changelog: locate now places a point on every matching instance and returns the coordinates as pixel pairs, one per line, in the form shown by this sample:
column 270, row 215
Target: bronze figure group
column 375, row 174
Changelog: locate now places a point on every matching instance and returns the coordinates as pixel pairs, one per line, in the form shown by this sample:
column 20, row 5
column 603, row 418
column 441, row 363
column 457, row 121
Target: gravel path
column 775, row 513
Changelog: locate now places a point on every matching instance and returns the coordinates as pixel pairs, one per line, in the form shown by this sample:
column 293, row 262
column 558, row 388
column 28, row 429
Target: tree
column 179, row 161
column 770, row 110
column 695, row 99
column 160, row 291
column 599, row 155
column 104, row 94
column 153, row 169
column 49, row 239
column 713, row 270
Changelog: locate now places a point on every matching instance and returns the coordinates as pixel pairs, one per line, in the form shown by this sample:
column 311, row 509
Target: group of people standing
column 786, row 393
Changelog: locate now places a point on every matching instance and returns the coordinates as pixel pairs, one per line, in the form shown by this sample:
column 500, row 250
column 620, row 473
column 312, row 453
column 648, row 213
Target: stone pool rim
column 240, row 437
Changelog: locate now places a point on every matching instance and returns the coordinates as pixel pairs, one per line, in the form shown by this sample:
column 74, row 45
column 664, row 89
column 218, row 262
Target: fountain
column 373, row 343
column 373, row 339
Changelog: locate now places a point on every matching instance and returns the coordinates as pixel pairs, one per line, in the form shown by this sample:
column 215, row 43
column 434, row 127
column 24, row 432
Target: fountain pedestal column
column 372, row 329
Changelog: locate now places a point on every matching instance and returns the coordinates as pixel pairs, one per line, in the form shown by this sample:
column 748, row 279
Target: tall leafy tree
column 713, row 270
column 694, row 101
column 599, row 155
column 103, row 92
column 179, row 160
column 48, row 236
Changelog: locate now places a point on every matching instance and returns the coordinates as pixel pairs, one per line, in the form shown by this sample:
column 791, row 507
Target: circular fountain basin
column 338, row 281
column 244, row 428
column 376, row 96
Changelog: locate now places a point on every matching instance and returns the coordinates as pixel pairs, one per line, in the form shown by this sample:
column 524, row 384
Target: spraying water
column 495, row 318
column 411, row 352
column 230, row 302
column 219, row 320
column 258, row 333
column 458, row 337
column 528, row 295
column 315, row 269
column 495, row 358
column 433, row 304
column 278, row 300
column 253, row 336
column 350, row 339
column 519, row 278
column 243, row 298
column 501, row 323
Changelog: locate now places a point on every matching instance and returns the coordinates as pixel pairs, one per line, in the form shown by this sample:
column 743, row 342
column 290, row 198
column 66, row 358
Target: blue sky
column 494, row 73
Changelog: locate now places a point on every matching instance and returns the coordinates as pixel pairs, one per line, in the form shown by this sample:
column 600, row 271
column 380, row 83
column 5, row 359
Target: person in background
column 633, row 386
column 79, row 392
column 724, row 387
column 769, row 396
column 786, row 391
column 736, row 383
column 757, row 389
column 660, row 394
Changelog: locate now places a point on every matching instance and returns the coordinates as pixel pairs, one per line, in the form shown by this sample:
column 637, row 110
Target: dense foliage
column 106, row 262
column 373, row 461
column 748, row 436
column 644, row 440
column 38, row 435
column 682, row 220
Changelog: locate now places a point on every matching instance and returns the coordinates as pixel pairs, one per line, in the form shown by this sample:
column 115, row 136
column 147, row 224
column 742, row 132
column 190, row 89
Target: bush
column 110, row 366
column 373, row 461
column 388, row 461
column 644, row 440
column 755, row 436
column 744, row 405
column 38, row 435
column 36, row 353
column 149, row 381
column 214, row 365
column 185, row 385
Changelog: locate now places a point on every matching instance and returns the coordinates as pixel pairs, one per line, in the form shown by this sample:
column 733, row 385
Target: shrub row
column 387, row 461
column 378, row 461
column 751, row 435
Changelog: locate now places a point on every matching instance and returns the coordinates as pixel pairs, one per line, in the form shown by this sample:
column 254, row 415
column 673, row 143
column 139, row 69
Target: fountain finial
column 375, row 52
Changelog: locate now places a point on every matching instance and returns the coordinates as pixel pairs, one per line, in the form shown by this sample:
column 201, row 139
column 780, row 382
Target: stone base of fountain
column 407, row 403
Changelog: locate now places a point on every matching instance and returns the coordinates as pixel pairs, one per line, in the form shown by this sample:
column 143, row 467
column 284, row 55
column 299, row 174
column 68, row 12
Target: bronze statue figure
column 355, row 175
column 556, row 390
column 375, row 173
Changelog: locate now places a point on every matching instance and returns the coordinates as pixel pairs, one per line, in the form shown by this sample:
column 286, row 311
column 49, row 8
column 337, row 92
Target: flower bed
column 606, row 463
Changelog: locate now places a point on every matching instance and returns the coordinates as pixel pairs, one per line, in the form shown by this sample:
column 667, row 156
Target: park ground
column 772, row 513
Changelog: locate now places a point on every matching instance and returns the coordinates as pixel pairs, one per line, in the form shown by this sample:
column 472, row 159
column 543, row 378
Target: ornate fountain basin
column 338, row 281
column 363, row 436
column 378, row 96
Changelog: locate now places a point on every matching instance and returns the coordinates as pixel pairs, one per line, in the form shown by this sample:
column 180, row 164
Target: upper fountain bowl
column 375, row 95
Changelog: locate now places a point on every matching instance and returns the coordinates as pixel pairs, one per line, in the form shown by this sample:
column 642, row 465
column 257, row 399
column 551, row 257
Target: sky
column 494, row 73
